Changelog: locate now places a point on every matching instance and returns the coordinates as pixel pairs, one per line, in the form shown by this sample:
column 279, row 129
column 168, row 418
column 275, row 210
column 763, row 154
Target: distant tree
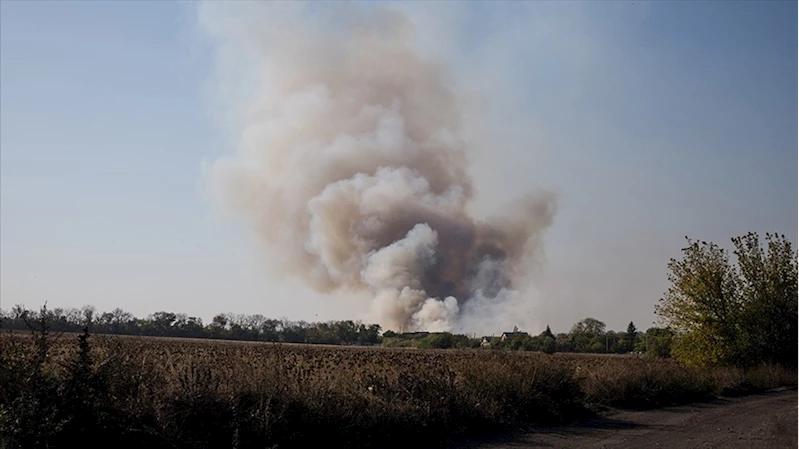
column 269, row 330
column 436, row 340
column 117, row 321
column 587, row 335
column 656, row 341
column 369, row 334
column 161, row 323
column 564, row 343
column 89, row 314
column 630, row 336
column 218, row 326
column 192, row 327
column 548, row 333
column 588, row 326
column 548, row 346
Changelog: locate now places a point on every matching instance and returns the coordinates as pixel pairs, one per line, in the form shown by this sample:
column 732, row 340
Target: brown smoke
column 351, row 165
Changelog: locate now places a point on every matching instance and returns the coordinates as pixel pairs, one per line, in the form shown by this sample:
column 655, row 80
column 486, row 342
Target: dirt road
column 762, row 421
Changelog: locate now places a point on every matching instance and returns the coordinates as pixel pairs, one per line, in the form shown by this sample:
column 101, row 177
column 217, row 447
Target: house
column 514, row 334
column 414, row 335
column 510, row 335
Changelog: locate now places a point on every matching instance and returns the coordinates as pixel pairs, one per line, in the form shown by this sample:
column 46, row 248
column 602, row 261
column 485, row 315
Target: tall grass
column 640, row 382
column 174, row 393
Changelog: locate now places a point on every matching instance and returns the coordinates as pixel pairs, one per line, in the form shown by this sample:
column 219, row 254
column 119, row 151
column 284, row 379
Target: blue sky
column 651, row 120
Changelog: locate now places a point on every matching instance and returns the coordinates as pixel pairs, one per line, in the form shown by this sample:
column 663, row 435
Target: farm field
column 206, row 393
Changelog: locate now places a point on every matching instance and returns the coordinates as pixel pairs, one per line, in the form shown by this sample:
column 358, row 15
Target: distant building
column 508, row 335
column 515, row 333
column 412, row 335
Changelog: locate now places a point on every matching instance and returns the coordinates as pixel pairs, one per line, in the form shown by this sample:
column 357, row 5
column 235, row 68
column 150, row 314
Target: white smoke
column 350, row 164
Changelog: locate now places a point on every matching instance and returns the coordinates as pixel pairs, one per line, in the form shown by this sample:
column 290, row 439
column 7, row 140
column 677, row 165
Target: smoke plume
column 351, row 165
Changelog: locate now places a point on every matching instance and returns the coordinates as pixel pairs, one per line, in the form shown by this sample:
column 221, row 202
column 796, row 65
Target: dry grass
column 197, row 393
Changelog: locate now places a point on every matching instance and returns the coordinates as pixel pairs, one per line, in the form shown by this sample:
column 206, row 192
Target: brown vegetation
column 194, row 393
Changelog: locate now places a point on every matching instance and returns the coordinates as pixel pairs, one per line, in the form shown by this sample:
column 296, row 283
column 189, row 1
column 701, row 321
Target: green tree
column 589, row 326
column 436, row 340
column 767, row 282
column 656, row 341
column 548, row 345
column 630, row 336
column 733, row 314
column 702, row 305
column 587, row 335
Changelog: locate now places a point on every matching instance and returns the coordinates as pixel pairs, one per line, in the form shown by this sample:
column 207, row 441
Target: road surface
column 762, row 421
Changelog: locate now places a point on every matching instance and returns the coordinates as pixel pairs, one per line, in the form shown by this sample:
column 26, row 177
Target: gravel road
column 762, row 421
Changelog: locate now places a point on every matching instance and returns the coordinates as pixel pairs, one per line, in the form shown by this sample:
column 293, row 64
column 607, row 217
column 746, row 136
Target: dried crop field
column 206, row 393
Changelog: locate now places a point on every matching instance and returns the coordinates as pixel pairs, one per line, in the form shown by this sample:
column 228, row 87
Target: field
column 205, row 393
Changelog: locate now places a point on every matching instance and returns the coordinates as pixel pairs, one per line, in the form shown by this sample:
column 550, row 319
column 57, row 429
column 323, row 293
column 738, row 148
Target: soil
column 761, row 421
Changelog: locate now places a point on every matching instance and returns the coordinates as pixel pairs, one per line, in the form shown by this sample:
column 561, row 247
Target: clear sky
column 652, row 121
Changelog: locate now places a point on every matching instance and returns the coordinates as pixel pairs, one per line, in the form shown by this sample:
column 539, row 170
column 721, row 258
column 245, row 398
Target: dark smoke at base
column 351, row 166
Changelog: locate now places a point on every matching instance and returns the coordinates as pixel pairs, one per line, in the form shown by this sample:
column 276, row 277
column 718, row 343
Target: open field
column 206, row 393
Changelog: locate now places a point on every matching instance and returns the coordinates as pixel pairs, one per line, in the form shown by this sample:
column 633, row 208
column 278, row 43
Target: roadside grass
column 648, row 383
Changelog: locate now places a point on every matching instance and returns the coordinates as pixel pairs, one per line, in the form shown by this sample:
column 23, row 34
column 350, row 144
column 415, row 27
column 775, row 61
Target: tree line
column 167, row 324
column 586, row 336
column 589, row 335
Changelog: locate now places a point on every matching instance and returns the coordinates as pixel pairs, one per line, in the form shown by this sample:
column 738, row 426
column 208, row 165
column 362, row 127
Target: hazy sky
column 650, row 121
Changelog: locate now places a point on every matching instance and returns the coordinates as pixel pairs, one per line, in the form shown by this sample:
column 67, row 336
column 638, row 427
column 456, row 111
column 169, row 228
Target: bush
column 548, row 346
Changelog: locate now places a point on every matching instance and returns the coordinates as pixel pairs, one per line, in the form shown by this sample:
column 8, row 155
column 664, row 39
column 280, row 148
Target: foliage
column 630, row 336
column 589, row 335
column 588, row 326
column 767, row 284
column 656, row 341
column 429, row 340
column 725, row 313
column 548, row 346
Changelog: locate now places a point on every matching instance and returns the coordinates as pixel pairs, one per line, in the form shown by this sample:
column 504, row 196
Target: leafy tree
column 767, row 283
column 437, row 340
column 161, row 322
column 369, row 334
column 564, row 343
column 656, row 341
column 702, row 304
column 589, row 326
column 548, row 345
column 733, row 314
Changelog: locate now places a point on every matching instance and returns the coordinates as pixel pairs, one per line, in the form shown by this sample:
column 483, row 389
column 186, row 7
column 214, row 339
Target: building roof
column 515, row 334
